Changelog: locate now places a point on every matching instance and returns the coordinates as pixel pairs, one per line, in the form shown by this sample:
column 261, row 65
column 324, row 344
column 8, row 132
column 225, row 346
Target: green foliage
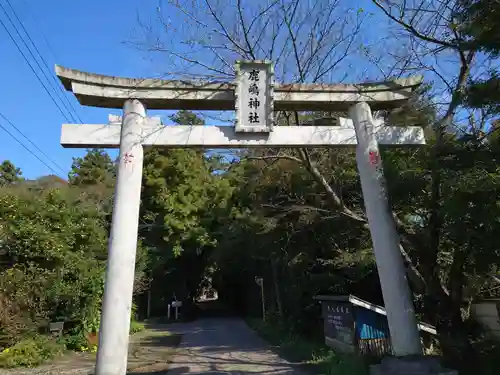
column 30, row 352
column 480, row 22
column 485, row 93
column 54, row 247
column 181, row 201
column 96, row 167
column 279, row 226
column 136, row 326
column 178, row 190
column 184, row 117
column 9, row 174
column 76, row 341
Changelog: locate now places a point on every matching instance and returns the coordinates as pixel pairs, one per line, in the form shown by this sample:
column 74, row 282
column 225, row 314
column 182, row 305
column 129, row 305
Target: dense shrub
column 30, row 352
column 53, row 244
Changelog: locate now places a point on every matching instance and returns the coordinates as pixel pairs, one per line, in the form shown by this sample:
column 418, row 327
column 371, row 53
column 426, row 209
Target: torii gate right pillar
column 405, row 337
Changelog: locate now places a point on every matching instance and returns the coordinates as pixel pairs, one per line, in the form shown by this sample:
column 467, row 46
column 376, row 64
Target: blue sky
column 89, row 35
column 86, row 35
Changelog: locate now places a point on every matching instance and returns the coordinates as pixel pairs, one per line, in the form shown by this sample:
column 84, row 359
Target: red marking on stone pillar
column 374, row 157
column 128, row 158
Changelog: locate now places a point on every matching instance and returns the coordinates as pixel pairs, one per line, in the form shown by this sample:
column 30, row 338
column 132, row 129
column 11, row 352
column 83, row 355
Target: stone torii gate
column 136, row 130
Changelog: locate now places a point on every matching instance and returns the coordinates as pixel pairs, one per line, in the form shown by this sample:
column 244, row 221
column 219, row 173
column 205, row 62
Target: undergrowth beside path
column 316, row 357
column 150, row 350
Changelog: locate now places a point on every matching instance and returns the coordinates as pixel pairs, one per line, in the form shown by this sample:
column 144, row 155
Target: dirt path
column 150, row 352
column 225, row 346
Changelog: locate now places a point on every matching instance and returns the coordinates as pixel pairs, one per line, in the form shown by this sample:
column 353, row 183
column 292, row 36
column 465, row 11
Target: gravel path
column 208, row 346
column 225, row 346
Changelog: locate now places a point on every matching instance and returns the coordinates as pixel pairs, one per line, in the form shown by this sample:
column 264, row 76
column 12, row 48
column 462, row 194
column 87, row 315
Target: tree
column 279, row 227
column 96, row 167
column 479, row 20
column 184, row 117
column 9, row 174
column 445, row 45
column 307, row 42
column 50, row 181
column 180, row 200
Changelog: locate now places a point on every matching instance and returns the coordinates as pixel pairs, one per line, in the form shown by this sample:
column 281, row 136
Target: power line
column 42, row 34
column 34, row 58
column 57, row 84
column 27, row 149
column 32, row 143
column 33, row 70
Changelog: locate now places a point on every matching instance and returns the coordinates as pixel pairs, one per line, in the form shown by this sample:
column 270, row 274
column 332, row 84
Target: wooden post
column 148, row 312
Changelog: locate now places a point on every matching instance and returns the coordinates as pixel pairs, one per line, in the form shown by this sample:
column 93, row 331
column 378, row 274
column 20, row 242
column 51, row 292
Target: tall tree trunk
column 452, row 331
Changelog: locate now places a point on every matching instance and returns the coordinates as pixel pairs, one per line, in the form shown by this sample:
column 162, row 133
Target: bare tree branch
column 411, row 29
column 245, row 31
column 225, row 33
column 282, row 156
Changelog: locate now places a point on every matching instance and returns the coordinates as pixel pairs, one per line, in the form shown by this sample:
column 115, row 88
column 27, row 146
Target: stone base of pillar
column 418, row 365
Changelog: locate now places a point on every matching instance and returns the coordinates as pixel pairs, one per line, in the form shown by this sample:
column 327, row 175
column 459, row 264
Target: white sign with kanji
column 254, row 96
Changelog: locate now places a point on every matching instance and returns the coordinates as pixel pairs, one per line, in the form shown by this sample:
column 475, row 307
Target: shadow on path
column 225, row 346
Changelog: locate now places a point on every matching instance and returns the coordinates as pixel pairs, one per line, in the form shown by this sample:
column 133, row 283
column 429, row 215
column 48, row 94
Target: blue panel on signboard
column 369, row 325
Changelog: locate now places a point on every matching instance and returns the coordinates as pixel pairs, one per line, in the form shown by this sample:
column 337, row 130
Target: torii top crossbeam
column 111, row 92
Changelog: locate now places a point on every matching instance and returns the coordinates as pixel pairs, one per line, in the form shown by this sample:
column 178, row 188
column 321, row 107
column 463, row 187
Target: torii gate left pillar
column 114, row 330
